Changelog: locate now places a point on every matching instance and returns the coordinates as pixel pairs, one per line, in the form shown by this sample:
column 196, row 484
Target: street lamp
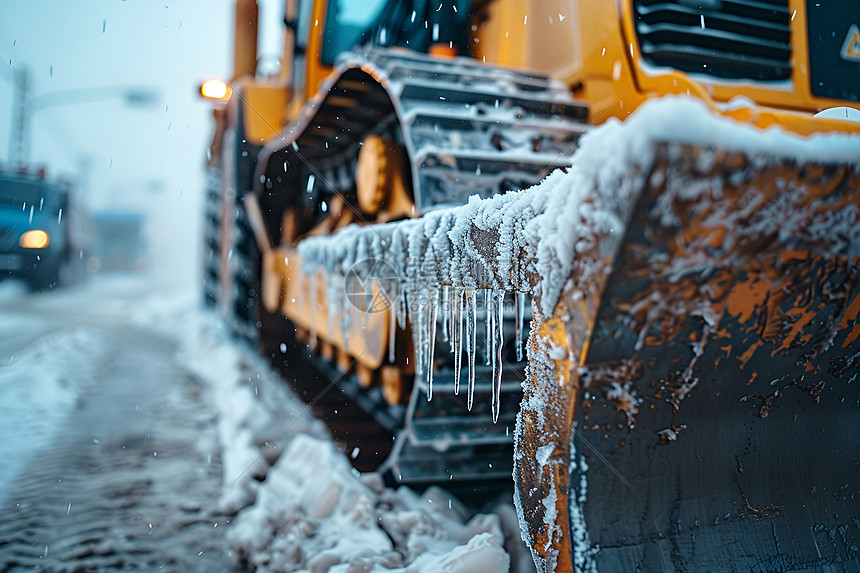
column 19, row 144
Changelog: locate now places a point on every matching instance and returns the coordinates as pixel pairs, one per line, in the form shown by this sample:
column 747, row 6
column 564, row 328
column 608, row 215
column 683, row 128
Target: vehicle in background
column 120, row 243
column 44, row 237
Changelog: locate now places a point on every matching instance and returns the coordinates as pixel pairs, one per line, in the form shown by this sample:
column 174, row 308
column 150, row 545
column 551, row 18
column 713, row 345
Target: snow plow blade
column 691, row 393
column 708, row 389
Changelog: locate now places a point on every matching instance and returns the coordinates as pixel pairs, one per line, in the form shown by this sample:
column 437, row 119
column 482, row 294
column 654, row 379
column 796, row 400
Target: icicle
column 488, row 330
column 345, row 321
column 498, row 341
column 471, row 341
column 312, row 299
column 452, row 319
column 401, row 307
column 432, row 311
column 457, row 340
column 518, row 324
column 491, row 342
column 417, row 308
column 333, row 309
column 359, row 315
column 392, row 330
column 446, row 309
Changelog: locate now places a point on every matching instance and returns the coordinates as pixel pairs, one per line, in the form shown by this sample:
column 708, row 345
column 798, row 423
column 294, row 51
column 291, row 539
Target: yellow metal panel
column 264, row 110
column 315, row 71
column 500, row 33
column 602, row 63
column 305, row 301
column 553, row 40
column 788, row 104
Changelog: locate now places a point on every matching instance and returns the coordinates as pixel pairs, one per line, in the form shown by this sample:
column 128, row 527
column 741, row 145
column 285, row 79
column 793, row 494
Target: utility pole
column 18, row 147
column 25, row 106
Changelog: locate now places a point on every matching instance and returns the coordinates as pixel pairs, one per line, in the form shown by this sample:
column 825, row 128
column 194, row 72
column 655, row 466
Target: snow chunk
column 482, row 554
column 311, row 497
column 308, row 500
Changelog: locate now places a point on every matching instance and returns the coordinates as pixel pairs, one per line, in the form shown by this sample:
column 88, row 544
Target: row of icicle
column 419, row 303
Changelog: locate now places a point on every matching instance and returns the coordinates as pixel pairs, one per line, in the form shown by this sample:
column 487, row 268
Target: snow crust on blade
column 534, row 241
column 538, row 232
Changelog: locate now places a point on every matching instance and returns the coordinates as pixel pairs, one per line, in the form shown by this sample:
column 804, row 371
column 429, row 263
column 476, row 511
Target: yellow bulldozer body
column 642, row 314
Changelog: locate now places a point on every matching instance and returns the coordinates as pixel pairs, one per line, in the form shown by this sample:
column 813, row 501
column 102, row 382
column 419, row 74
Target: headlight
column 216, row 90
column 35, row 239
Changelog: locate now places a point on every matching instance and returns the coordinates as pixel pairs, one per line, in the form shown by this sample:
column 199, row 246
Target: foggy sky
column 149, row 158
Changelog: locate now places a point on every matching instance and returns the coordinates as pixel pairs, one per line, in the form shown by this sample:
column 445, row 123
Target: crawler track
column 465, row 129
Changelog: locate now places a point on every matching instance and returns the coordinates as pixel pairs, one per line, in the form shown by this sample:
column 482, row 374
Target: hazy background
column 146, row 158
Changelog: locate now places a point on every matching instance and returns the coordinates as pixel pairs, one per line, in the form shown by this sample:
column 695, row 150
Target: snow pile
column 256, row 413
column 39, row 386
column 312, row 513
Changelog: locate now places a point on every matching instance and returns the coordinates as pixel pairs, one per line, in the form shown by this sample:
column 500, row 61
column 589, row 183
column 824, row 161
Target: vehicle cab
column 33, row 239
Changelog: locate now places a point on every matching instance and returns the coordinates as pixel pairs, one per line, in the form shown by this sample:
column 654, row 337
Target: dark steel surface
column 720, row 401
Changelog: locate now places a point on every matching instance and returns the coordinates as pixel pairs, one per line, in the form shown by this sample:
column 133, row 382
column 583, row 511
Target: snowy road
column 110, row 456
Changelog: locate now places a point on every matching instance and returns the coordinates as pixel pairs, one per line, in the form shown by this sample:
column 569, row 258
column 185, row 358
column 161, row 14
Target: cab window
column 348, row 23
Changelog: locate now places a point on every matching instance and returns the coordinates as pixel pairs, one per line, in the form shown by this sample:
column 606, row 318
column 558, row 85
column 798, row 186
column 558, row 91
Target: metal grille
column 7, row 238
column 723, row 38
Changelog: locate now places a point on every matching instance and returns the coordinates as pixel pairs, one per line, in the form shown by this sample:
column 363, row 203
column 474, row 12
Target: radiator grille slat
column 723, row 38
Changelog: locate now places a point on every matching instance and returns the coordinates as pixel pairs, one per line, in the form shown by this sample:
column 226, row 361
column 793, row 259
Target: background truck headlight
column 34, row 239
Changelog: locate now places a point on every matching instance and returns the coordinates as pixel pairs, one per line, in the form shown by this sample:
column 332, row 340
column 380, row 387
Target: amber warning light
column 215, row 90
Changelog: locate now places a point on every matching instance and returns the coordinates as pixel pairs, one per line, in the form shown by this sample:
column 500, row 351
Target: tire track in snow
column 129, row 478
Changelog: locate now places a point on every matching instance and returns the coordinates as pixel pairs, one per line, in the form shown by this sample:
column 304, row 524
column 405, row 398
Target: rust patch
column 669, row 434
column 814, row 390
column 763, row 403
column 609, row 373
column 765, row 512
column 616, row 382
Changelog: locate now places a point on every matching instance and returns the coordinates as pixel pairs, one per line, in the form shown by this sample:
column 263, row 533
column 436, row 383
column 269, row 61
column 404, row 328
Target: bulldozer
column 609, row 248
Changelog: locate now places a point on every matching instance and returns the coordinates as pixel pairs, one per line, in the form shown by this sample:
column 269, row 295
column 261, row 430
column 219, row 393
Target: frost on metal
column 524, row 242
column 528, row 241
